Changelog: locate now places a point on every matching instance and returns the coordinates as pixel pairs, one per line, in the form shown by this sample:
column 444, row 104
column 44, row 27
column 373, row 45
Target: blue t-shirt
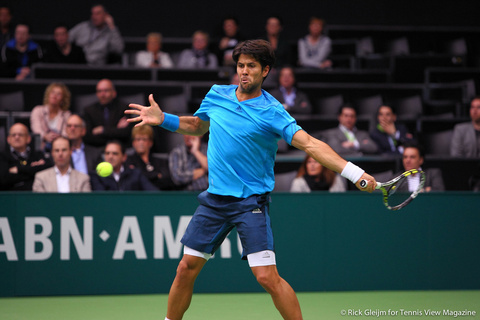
column 243, row 140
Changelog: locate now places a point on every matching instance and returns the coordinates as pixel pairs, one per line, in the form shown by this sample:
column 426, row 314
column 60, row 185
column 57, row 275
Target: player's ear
column 266, row 70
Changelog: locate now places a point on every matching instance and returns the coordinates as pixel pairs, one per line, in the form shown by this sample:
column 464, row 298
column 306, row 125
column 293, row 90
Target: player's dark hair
column 259, row 49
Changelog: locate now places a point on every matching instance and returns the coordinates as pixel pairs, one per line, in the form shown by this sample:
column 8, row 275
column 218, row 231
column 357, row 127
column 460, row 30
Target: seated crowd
column 98, row 41
column 72, row 143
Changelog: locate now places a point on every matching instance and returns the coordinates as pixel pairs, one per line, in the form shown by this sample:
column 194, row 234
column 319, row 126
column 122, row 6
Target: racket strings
column 398, row 192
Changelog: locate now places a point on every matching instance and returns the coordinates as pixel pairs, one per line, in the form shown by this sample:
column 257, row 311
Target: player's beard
column 249, row 87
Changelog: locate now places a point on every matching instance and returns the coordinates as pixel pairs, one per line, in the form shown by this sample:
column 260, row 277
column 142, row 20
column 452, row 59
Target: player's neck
column 243, row 95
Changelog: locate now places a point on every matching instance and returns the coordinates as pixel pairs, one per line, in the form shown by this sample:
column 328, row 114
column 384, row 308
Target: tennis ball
column 104, row 169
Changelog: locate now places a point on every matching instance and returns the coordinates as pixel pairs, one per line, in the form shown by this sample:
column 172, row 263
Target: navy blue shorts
column 217, row 215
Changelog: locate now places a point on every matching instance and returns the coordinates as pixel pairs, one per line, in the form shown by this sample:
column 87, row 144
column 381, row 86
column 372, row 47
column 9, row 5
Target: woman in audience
column 155, row 169
column 49, row 120
column 153, row 57
column 312, row 176
column 314, row 48
column 198, row 56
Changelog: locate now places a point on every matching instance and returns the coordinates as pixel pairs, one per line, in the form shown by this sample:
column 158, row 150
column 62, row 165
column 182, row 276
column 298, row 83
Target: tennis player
column 245, row 124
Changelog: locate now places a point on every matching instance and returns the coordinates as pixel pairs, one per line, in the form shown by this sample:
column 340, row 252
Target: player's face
column 142, row 143
column 250, row 73
column 475, row 110
column 61, row 153
column 411, row 159
column 313, row 167
column 348, row 118
column 113, row 154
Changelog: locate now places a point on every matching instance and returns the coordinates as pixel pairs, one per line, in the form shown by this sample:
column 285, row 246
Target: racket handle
column 364, row 184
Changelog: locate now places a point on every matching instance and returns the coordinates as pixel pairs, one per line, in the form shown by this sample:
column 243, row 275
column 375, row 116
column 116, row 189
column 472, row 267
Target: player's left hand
column 371, row 183
column 152, row 115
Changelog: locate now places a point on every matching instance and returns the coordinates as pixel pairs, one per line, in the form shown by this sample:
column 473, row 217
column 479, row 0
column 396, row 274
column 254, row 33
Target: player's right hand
column 151, row 115
column 371, row 183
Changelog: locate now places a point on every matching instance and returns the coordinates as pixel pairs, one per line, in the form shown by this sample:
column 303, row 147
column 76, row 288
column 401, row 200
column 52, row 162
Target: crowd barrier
column 128, row 243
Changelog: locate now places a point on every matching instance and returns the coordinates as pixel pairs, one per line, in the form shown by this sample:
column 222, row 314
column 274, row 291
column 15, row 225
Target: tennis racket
column 394, row 198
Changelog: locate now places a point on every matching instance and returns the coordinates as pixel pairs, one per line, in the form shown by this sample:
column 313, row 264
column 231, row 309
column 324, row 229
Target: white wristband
column 352, row 172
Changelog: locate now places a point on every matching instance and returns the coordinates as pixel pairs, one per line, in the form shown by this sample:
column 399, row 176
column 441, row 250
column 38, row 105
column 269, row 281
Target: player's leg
column 181, row 290
column 282, row 294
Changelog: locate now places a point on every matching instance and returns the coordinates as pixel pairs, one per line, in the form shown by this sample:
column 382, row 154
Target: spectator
column 314, row 48
column 413, row 157
column 198, row 56
column 466, row 136
column 388, row 134
column 274, row 28
column 230, row 38
column 346, row 139
column 188, row 164
column 105, row 119
column 61, row 50
column 20, row 53
column 99, row 37
column 153, row 57
column 312, row 176
column 50, row 119
column 19, row 163
column 84, row 157
column 123, row 177
column 294, row 100
column 6, row 32
column 62, row 177
column 155, row 169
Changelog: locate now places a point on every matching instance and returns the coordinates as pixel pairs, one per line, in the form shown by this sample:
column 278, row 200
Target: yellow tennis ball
column 104, row 169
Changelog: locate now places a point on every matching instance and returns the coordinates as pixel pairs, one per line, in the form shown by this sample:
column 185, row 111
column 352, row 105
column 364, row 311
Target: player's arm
column 325, row 155
column 154, row 116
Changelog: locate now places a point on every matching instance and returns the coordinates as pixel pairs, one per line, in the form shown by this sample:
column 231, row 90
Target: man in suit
column 466, row 136
column 84, row 157
column 388, row 134
column 19, row 164
column 346, row 139
column 105, row 120
column 61, row 178
column 413, row 157
column 294, row 101
column 123, row 177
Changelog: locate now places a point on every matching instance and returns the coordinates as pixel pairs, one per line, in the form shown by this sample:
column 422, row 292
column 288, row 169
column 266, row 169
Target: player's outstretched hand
column 151, row 115
column 371, row 183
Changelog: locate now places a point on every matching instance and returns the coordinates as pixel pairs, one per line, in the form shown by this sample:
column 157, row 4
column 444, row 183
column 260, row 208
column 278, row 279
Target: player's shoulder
column 270, row 101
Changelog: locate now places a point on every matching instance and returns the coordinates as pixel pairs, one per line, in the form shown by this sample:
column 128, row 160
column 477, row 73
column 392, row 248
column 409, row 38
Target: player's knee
column 188, row 269
column 269, row 281
column 185, row 269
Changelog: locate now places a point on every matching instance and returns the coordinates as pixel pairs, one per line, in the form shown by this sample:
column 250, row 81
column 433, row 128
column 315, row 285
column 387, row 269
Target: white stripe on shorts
column 261, row 258
column 195, row 253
